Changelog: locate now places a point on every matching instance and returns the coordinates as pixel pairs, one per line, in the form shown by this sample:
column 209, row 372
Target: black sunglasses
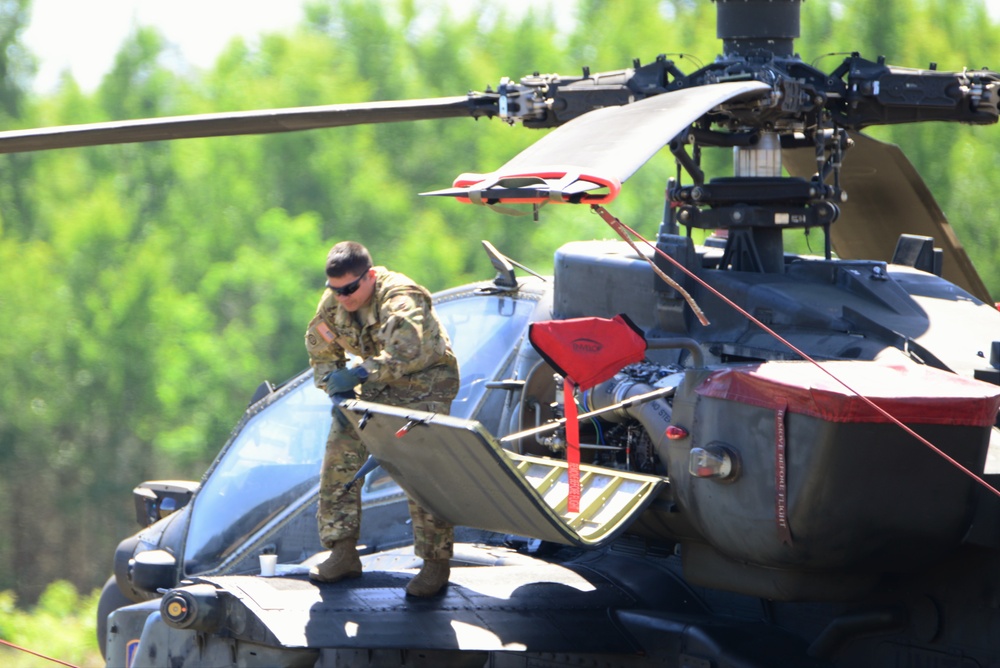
column 350, row 288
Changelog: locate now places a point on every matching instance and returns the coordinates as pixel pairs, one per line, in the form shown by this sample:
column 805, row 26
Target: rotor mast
column 752, row 209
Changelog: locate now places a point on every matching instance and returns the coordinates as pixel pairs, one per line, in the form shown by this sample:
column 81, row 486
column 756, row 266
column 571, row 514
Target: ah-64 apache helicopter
column 776, row 460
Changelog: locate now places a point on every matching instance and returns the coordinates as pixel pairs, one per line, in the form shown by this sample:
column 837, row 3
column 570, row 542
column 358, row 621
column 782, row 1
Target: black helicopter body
column 890, row 557
column 799, row 468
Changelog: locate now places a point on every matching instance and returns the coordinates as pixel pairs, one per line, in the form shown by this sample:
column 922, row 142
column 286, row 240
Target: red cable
column 41, row 656
column 618, row 225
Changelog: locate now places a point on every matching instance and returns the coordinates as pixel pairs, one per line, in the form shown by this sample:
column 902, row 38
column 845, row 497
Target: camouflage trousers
column 339, row 514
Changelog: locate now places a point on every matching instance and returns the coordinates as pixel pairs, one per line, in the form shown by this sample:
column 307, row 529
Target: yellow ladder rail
column 544, row 484
column 595, row 505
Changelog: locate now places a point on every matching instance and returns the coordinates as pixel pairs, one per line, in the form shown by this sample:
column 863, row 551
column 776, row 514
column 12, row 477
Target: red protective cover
column 588, row 350
column 911, row 394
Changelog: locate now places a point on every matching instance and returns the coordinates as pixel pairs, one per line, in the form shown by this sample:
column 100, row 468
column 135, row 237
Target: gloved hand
column 343, row 381
column 337, row 398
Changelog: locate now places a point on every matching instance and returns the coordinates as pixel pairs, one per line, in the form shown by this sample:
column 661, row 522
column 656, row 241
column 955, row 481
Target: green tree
column 17, row 67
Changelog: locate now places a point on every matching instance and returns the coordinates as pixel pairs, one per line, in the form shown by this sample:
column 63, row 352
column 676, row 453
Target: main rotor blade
column 616, row 141
column 887, row 197
column 601, row 148
column 242, row 123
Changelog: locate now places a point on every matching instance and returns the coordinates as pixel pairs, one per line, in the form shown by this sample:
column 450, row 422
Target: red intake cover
column 588, row 350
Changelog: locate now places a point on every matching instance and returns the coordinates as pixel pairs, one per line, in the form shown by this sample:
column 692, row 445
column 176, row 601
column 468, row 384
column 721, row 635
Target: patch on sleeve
column 404, row 305
column 324, row 331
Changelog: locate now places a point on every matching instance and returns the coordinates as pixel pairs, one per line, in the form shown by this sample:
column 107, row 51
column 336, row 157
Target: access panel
column 459, row 471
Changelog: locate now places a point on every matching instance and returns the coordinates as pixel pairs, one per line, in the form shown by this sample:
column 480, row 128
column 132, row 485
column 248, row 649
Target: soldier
column 387, row 321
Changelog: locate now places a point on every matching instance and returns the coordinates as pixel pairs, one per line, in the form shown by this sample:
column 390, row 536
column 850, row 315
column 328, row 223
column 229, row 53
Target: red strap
column 572, row 447
column 781, row 476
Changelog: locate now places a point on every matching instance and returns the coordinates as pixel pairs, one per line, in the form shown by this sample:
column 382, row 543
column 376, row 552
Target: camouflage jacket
column 398, row 337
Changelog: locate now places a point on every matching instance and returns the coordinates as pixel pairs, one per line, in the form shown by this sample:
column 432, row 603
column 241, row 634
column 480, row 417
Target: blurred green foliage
column 59, row 626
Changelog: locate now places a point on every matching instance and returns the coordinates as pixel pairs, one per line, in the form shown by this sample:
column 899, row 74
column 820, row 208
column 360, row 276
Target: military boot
column 431, row 579
column 342, row 563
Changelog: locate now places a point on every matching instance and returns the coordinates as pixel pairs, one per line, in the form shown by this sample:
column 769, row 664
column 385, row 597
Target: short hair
column 347, row 257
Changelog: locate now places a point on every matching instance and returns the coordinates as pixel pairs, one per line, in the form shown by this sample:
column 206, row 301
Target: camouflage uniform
column 410, row 364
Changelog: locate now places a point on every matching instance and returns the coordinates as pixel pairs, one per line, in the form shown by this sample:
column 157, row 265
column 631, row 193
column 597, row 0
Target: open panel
column 459, row 471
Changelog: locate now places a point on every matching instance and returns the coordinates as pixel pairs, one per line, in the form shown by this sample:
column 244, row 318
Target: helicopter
column 666, row 453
